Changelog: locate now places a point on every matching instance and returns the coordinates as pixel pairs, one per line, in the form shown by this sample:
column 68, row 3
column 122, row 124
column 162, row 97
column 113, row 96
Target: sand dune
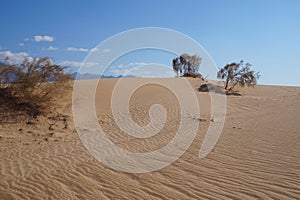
column 256, row 157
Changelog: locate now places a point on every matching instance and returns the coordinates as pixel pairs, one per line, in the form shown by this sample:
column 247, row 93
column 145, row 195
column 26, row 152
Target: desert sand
column 256, row 157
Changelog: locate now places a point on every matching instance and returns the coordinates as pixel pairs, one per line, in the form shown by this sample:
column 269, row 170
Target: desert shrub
column 187, row 66
column 33, row 84
column 238, row 73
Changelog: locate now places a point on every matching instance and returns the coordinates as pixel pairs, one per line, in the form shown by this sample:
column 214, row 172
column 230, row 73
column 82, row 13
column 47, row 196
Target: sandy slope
column 256, row 157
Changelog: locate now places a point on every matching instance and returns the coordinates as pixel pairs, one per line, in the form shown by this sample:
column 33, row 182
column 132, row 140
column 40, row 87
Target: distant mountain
column 85, row 76
column 79, row 76
column 75, row 75
column 128, row 76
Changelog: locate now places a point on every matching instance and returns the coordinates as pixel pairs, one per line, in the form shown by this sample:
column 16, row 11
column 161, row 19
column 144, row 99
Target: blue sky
column 264, row 33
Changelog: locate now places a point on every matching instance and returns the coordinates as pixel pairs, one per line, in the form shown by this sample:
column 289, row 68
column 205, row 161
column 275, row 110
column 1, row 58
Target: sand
column 256, row 157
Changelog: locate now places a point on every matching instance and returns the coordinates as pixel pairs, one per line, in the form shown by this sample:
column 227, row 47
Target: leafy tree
column 186, row 65
column 238, row 73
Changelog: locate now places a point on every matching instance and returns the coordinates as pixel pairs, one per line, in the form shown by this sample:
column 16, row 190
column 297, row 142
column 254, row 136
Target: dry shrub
column 238, row 73
column 187, row 66
column 33, row 85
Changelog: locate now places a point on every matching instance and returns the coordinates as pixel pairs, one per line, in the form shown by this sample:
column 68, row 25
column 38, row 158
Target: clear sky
column 264, row 33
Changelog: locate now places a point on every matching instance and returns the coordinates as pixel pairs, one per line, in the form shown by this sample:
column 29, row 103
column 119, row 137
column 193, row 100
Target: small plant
column 238, row 73
column 33, row 84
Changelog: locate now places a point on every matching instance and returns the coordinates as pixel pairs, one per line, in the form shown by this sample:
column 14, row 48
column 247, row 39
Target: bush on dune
column 32, row 85
column 187, row 66
column 238, row 74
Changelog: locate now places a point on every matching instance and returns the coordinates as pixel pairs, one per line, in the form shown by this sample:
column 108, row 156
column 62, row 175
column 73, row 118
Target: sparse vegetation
column 32, row 85
column 238, row 74
column 186, row 65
